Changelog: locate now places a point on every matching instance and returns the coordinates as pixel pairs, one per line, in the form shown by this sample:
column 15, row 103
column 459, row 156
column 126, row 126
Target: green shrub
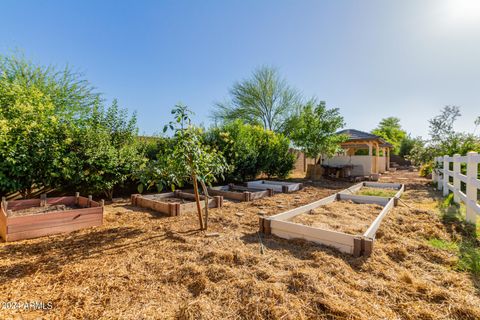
column 426, row 169
column 251, row 150
column 55, row 133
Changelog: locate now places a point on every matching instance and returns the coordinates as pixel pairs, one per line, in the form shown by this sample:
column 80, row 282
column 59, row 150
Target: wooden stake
column 205, row 192
column 77, row 197
column 43, row 200
column 89, row 201
column 197, row 200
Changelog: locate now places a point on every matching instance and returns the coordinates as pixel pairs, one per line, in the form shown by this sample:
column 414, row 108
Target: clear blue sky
column 372, row 59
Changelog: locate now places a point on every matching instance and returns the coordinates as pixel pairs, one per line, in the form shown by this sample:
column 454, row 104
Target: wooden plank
column 288, row 230
column 353, row 188
column 294, row 212
column 3, row 224
column 331, row 235
column 57, row 221
column 54, row 230
column 227, row 194
column 158, row 195
column 364, row 199
column 461, row 177
column 70, row 201
column 400, row 192
column 275, row 185
column 23, row 204
column 51, row 215
column 371, row 231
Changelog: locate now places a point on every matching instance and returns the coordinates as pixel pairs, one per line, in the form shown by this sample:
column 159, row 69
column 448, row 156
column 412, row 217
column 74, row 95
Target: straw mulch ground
column 342, row 216
column 142, row 265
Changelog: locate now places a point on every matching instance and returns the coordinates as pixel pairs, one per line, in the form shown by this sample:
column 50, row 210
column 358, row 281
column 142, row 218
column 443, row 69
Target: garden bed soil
column 378, row 192
column 342, row 216
column 42, row 210
column 169, row 200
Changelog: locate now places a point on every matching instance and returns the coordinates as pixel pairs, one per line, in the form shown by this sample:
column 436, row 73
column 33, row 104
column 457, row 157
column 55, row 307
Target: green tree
column 265, row 99
column 391, row 130
column 407, row 145
column 314, row 128
column 106, row 153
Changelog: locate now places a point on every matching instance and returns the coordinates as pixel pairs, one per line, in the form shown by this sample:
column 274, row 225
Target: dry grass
column 343, row 216
column 142, row 265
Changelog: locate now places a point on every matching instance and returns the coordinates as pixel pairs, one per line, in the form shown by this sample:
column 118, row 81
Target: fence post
column 441, row 175
column 446, row 166
column 456, row 178
column 472, row 173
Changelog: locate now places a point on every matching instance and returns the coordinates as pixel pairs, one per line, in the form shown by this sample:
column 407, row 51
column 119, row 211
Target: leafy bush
column 251, row 150
column 426, row 169
column 55, row 133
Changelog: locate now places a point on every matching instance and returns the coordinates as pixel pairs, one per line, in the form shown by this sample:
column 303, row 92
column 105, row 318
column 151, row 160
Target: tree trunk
column 197, row 200
column 205, row 192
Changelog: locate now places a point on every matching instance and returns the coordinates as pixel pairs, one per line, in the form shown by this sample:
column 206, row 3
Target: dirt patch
column 343, row 216
column 42, row 210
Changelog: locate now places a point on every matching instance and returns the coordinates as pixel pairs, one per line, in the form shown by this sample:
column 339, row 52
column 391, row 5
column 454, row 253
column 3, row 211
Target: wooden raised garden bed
column 173, row 203
column 26, row 219
column 333, row 221
column 277, row 186
column 377, row 189
column 239, row 193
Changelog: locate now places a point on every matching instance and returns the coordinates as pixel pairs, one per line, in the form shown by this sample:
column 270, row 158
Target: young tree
column 391, row 130
column 265, row 99
column 187, row 160
column 441, row 126
column 314, row 129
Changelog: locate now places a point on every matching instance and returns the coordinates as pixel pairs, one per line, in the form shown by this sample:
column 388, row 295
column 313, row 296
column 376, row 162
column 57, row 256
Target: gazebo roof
column 357, row 135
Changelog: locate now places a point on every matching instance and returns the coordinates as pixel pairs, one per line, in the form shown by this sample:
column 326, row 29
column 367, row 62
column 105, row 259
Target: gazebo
column 365, row 152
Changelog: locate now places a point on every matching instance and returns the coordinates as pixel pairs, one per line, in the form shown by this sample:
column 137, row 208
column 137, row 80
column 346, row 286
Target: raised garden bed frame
column 400, row 188
column 13, row 228
column 174, row 209
column 239, row 193
column 357, row 245
column 277, row 186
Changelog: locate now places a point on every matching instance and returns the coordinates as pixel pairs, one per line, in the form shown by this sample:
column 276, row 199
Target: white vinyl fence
column 442, row 177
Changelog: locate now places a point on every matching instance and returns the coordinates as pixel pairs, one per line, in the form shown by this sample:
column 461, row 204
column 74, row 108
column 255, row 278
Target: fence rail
column 441, row 176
